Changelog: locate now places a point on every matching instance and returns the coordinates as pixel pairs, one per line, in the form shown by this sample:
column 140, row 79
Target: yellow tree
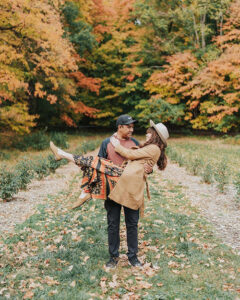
column 36, row 64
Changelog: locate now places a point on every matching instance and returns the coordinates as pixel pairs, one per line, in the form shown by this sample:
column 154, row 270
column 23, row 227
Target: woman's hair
column 156, row 140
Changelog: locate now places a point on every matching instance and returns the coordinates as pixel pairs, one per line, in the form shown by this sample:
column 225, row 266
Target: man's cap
column 125, row 120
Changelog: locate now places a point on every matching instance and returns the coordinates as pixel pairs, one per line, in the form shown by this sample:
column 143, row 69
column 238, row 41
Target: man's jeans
column 131, row 220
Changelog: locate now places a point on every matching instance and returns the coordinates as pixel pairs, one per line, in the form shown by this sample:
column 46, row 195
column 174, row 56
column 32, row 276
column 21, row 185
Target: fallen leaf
column 54, row 292
column 144, row 285
column 58, row 240
column 50, row 281
column 70, row 268
column 73, row 283
column 103, row 286
column 2, row 290
column 28, row 295
column 86, row 258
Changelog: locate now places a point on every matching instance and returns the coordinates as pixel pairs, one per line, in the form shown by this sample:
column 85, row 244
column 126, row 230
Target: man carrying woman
column 121, row 185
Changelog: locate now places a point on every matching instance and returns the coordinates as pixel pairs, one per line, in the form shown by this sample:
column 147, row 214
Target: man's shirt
column 107, row 150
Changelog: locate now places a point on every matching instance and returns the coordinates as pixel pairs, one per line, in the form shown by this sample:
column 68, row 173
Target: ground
column 188, row 241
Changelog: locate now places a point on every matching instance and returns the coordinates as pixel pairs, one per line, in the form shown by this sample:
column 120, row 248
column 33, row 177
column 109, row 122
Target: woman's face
column 148, row 136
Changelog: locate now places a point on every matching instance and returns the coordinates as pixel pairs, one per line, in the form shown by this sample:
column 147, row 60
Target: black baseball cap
column 125, row 120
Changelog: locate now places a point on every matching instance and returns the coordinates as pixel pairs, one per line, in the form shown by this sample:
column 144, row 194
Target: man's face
column 126, row 130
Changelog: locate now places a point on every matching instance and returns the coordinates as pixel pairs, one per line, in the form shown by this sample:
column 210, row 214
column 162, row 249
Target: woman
column 124, row 185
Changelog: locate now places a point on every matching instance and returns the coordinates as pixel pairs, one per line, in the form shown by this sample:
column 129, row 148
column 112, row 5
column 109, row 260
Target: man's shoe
column 55, row 151
column 135, row 262
column 81, row 201
column 112, row 263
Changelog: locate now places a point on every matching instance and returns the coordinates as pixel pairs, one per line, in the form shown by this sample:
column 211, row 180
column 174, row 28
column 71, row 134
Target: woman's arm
column 149, row 151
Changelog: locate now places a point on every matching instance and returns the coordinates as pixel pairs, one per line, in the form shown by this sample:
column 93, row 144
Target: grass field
column 60, row 254
column 209, row 150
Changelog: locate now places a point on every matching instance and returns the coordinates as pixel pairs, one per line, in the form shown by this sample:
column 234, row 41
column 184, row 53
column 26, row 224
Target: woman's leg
column 60, row 154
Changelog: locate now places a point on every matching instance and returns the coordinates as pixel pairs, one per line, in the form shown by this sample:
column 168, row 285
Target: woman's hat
column 161, row 130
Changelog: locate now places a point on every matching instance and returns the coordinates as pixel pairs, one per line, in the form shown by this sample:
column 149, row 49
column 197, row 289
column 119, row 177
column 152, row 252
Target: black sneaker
column 112, row 262
column 135, row 262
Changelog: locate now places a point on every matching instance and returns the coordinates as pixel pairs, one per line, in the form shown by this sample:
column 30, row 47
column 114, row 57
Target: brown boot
column 55, row 151
column 81, row 201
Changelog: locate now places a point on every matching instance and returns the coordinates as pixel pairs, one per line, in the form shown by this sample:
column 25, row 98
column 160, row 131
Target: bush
column 24, row 172
column 4, row 156
column 195, row 165
column 87, row 146
column 41, row 168
column 221, row 175
column 37, row 141
column 53, row 164
column 207, row 173
column 237, row 186
column 60, row 139
column 234, row 140
column 8, row 183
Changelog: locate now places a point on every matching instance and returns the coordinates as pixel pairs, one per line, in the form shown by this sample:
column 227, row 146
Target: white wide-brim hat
column 161, row 130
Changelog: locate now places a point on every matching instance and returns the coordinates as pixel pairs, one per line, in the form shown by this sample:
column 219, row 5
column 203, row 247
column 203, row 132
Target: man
column 125, row 127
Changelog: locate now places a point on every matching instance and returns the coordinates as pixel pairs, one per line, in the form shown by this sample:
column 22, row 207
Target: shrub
column 60, row 139
column 195, row 165
column 37, row 141
column 235, row 140
column 4, row 156
column 87, row 146
column 207, row 173
column 237, row 186
column 53, row 164
column 221, row 175
column 24, row 172
column 8, row 183
column 41, row 167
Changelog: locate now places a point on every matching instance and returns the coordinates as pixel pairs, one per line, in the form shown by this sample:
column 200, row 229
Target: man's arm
column 103, row 148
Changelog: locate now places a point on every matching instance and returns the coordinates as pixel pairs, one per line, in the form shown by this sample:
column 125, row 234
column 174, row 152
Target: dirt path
column 25, row 202
column 219, row 209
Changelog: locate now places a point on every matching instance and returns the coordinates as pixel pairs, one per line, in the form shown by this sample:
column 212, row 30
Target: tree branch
column 9, row 28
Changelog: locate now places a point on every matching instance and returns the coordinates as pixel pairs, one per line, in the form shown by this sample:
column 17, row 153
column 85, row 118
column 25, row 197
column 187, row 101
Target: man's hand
column 147, row 168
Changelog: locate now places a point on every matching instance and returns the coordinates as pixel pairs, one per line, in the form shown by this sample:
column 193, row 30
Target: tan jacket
column 129, row 190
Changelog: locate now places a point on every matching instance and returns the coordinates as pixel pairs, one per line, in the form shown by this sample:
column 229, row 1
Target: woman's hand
column 147, row 168
column 114, row 141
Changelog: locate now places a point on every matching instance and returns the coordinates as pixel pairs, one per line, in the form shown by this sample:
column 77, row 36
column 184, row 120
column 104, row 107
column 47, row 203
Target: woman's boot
column 82, row 199
column 55, row 151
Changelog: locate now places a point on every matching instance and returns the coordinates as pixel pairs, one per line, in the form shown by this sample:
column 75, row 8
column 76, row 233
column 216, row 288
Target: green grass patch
column 60, row 253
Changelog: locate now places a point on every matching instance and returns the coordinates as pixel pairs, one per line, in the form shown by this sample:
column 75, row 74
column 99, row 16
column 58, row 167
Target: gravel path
column 219, row 209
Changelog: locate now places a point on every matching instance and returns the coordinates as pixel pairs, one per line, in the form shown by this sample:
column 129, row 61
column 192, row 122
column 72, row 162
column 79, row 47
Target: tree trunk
column 203, row 20
column 195, row 30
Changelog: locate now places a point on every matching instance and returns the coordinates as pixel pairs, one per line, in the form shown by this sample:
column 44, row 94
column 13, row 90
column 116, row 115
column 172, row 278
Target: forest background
column 83, row 63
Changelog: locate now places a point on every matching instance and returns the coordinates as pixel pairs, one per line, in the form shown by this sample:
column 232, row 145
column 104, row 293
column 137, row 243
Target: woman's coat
column 129, row 190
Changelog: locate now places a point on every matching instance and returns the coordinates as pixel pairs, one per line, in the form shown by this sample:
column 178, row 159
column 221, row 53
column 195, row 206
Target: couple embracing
column 118, row 175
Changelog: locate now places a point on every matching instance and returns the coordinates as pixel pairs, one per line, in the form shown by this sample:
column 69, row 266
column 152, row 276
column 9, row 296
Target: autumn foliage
column 85, row 62
column 209, row 91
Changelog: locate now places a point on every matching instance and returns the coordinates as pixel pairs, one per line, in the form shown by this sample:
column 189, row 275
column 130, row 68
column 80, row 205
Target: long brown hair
column 156, row 140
